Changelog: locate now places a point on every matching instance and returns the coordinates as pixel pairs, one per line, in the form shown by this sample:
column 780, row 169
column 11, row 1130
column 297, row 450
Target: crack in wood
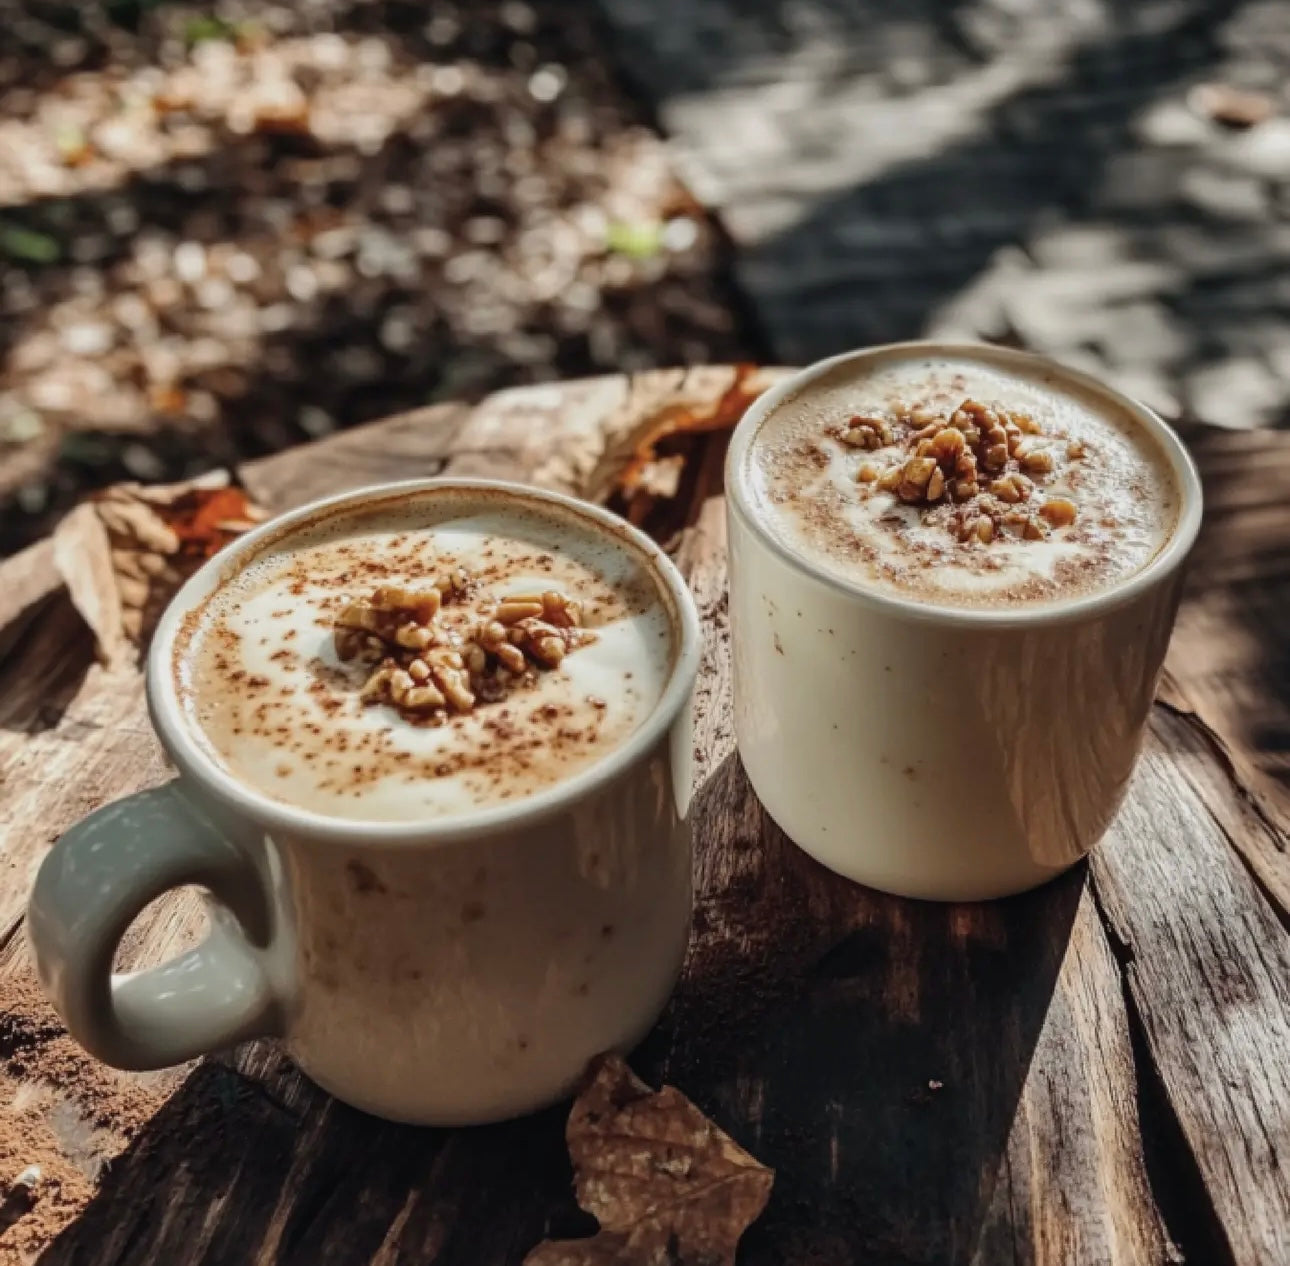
column 1206, row 732
column 1177, row 1184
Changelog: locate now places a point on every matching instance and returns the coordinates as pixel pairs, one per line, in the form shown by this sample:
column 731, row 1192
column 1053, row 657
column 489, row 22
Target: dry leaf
column 161, row 534
column 667, row 1186
column 83, row 559
column 124, row 553
column 651, row 477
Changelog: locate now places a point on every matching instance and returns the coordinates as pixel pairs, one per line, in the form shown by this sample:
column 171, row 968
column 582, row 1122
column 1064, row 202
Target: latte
column 956, row 481
column 425, row 657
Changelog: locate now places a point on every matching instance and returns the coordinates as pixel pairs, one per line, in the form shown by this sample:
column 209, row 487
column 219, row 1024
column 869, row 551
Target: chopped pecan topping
column 426, row 668
column 984, row 461
column 1058, row 511
column 864, row 432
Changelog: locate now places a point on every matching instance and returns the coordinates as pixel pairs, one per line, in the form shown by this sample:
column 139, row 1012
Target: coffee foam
column 804, row 484
column 260, row 681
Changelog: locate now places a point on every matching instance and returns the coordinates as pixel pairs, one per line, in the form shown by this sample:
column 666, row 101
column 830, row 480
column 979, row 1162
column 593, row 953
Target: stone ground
column 1045, row 172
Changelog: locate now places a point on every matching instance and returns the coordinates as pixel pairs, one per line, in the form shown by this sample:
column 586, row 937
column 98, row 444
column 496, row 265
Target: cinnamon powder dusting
column 65, row 1117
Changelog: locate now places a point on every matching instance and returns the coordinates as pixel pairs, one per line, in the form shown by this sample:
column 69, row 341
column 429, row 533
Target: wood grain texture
column 934, row 1084
column 1229, row 663
column 1208, row 966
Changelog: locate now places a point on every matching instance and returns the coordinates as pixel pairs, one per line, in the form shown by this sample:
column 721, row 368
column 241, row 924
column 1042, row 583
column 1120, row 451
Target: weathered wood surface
column 1095, row 1072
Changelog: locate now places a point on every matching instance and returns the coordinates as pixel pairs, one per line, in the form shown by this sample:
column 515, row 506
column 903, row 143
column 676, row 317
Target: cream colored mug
column 348, row 940
column 951, row 754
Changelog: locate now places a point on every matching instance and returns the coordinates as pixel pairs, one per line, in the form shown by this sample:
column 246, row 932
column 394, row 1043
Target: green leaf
column 210, row 27
column 28, row 245
column 637, row 241
column 70, row 141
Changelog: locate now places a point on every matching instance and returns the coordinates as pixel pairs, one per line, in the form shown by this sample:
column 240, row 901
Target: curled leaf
column 665, row 1184
column 83, row 559
column 124, row 554
column 666, row 446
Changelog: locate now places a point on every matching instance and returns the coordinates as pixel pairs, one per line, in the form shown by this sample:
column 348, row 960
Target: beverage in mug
column 434, row 756
column 954, row 571
column 272, row 670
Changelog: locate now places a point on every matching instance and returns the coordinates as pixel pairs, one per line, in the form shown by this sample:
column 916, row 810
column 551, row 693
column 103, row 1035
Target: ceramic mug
column 938, row 752
column 443, row 974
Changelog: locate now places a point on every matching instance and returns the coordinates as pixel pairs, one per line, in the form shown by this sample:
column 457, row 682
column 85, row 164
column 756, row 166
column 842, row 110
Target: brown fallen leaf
column 124, row 553
column 664, row 447
column 666, row 1185
column 83, row 560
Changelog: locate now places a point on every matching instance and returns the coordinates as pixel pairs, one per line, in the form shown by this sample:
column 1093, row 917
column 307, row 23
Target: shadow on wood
column 236, row 1169
column 873, row 1050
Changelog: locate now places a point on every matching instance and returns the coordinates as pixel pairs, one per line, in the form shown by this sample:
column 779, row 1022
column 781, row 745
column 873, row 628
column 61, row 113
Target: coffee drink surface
column 954, row 481
column 264, row 685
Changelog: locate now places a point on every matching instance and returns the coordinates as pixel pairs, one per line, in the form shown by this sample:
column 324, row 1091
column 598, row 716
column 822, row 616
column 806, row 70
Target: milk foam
column 261, row 680
column 805, row 485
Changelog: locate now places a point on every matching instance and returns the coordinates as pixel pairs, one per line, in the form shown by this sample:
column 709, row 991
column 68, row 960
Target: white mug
column 928, row 751
column 437, row 975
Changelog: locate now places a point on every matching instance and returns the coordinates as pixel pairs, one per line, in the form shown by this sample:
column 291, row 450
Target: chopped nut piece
column 948, row 445
column 357, row 616
column 1058, row 511
column 867, row 473
column 916, row 475
column 890, row 478
column 995, row 457
column 548, row 650
column 560, row 611
column 414, row 636
column 454, row 584
column 1038, row 461
column 1075, row 450
column 378, row 683
column 863, row 432
column 422, row 603
column 422, row 698
column 455, row 684
column 1011, row 488
column 1034, row 530
column 984, row 529
column 511, row 657
column 349, row 642
column 522, row 608
column 936, row 485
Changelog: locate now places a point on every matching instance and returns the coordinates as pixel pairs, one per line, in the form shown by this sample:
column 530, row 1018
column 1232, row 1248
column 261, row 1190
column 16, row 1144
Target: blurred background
column 230, row 227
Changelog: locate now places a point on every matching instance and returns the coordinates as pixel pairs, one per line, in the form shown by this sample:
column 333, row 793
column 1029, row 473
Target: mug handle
column 92, row 885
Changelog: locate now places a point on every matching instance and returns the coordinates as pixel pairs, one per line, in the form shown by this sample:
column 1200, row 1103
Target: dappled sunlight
column 248, row 227
column 1103, row 182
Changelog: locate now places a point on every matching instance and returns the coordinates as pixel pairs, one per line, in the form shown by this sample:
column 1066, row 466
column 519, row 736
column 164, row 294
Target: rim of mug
column 179, row 738
column 1166, row 560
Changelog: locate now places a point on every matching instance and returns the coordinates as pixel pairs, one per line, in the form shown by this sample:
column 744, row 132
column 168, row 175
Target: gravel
column 228, row 230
